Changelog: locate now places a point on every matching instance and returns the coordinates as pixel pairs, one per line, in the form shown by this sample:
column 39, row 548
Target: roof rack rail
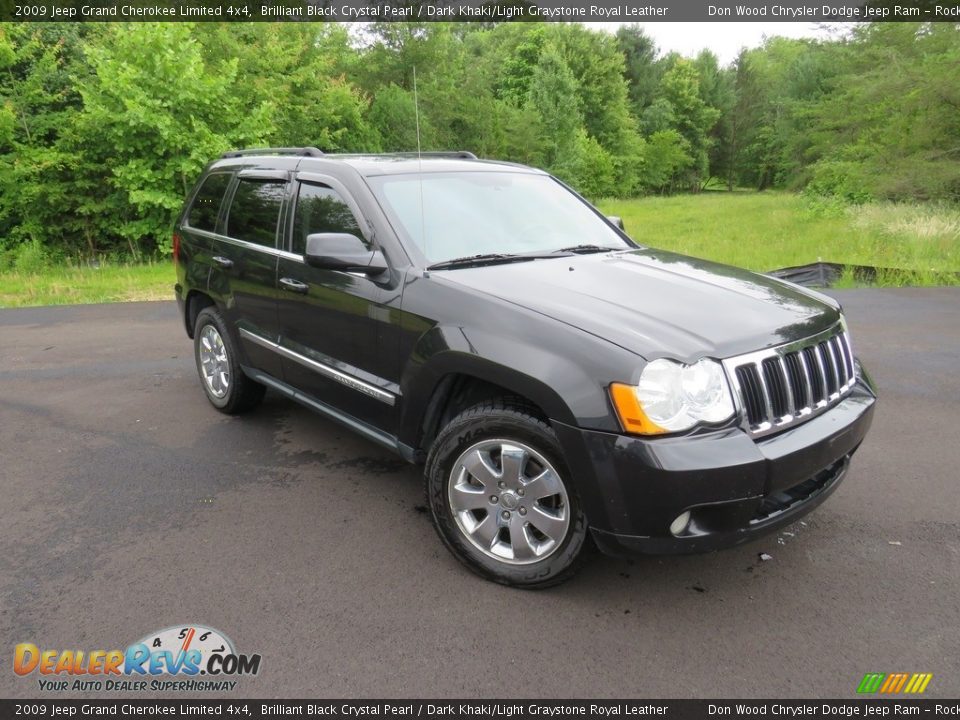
column 462, row 154
column 305, row 151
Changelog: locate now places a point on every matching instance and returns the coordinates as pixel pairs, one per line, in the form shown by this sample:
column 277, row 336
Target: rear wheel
column 500, row 496
column 226, row 387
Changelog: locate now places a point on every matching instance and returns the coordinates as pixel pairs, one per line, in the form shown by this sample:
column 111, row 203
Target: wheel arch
column 195, row 301
column 454, row 382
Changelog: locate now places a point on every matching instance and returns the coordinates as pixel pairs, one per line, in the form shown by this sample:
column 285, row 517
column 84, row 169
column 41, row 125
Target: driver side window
column 321, row 209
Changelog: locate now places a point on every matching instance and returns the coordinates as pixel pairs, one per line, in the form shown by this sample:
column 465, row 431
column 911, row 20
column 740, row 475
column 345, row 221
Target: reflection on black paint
column 320, row 209
column 206, row 205
column 255, row 211
column 762, row 287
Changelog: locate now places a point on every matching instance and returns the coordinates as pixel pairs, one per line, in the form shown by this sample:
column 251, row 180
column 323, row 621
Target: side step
column 378, row 436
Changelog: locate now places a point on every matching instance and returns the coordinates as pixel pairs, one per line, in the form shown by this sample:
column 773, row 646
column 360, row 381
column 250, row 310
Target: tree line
column 104, row 127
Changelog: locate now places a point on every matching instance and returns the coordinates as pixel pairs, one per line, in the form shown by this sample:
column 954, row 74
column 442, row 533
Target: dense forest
column 103, row 128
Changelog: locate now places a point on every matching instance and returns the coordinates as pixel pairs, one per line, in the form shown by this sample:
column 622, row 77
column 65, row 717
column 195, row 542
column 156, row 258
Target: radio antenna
column 416, row 110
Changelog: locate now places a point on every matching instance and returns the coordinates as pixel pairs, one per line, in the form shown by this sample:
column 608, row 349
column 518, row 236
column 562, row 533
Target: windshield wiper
column 483, row 259
column 586, row 249
column 496, row 258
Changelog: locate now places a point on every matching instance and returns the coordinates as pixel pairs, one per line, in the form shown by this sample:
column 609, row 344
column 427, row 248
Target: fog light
column 680, row 524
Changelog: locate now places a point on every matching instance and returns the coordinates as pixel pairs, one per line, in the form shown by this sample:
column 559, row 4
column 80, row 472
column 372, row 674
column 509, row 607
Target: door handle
column 292, row 285
column 222, row 261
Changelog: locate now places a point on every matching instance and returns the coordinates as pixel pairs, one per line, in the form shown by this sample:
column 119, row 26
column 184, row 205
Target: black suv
column 556, row 379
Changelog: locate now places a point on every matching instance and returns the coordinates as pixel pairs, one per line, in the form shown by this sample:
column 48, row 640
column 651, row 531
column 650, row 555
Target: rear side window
column 206, row 204
column 255, row 211
column 320, row 209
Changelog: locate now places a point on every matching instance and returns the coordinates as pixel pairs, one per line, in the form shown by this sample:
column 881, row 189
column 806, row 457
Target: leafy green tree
column 104, row 127
column 588, row 167
column 717, row 91
column 553, row 95
column 641, row 69
column 396, row 48
column 154, row 113
column 776, row 86
column 597, row 66
column 890, row 128
column 393, row 115
column 743, row 118
column 504, row 57
column 37, row 103
column 513, row 81
column 692, row 118
column 296, row 67
column 666, row 157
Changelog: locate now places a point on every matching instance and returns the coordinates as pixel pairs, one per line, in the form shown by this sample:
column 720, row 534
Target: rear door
column 329, row 319
column 200, row 226
column 245, row 262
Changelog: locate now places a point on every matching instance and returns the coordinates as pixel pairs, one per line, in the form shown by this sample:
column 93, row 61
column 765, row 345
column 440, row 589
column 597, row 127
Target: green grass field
column 76, row 285
column 759, row 231
column 766, row 231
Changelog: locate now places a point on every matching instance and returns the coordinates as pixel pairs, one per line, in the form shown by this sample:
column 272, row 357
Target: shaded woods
column 103, row 128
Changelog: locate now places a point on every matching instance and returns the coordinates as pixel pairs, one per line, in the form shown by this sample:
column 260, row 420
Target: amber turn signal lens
column 631, row 415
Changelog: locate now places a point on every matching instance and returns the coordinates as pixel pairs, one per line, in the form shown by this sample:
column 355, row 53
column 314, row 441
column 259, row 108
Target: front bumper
column 736, row 488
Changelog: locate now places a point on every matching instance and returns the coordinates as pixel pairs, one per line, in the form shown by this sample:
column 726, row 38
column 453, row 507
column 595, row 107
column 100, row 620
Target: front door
column 328, row 319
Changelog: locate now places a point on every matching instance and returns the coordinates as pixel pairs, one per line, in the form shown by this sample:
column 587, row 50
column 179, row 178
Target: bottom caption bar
column 679, row 709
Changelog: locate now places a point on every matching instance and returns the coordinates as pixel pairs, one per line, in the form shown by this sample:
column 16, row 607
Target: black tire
column 240, row 393
column 514, row 422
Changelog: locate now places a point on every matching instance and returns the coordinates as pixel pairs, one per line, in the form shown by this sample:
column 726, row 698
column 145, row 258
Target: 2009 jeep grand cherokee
column 557, row 379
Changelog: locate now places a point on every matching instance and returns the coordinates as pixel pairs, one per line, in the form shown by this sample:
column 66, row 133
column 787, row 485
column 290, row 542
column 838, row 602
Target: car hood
column 657, row 303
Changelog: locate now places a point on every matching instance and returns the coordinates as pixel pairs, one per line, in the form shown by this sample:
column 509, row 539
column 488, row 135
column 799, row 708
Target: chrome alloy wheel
column 214, row 365
column 509, row 501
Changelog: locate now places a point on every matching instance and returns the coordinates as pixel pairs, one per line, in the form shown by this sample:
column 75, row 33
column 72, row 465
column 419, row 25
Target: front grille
column 785, row 385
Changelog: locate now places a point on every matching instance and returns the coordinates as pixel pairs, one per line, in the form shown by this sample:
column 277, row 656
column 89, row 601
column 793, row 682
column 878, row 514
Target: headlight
column 672, row 397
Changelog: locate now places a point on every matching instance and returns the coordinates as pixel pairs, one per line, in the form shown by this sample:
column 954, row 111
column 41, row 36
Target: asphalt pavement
column 129, row 505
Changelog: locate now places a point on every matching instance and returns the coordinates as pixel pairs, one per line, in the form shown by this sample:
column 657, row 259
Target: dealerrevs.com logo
column 187, row 658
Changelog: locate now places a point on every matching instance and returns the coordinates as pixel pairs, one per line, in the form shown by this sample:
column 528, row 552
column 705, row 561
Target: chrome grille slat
column 845, row 353
column 821, row 367
column 776, row 386
column 767, row 402
column 782, row 386
column 806, row 376
column 853, row 367
column 837, row 370
column 839, row 359
column 746, row 376
column 830, row 372
column 844, row 348
column 791, row 405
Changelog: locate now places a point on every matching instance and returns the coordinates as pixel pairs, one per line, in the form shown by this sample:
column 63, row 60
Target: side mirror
column 616, row 220
column 342, row 251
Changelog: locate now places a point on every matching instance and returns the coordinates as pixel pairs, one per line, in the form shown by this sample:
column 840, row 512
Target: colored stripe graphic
column 897, row 683
column 894, row 683
column 918, row 683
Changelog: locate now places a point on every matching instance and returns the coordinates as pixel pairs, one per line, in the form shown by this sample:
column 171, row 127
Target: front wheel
column 226, row 387
column 501, row 499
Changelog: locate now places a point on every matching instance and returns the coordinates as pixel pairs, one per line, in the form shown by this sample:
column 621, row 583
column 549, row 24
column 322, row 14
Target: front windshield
column 475, row 213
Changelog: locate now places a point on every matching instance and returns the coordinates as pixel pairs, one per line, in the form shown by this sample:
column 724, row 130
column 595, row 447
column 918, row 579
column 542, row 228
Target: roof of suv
column 399, row 164
column 373, row 164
